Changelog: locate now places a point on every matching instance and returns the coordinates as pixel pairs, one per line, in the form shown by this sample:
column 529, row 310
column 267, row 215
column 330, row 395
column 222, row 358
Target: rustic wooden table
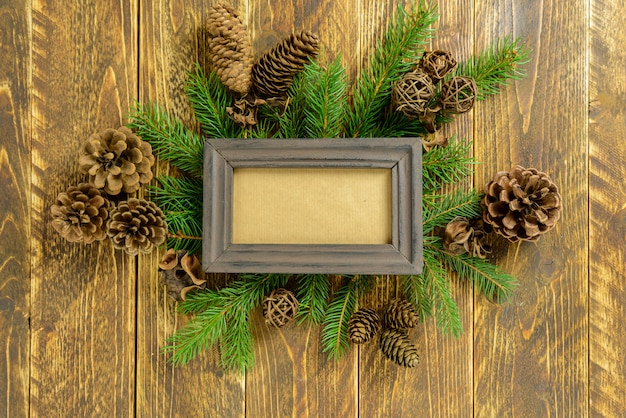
column 81, row 326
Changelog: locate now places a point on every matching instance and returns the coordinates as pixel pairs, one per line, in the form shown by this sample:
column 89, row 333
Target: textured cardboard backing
column 312, row 206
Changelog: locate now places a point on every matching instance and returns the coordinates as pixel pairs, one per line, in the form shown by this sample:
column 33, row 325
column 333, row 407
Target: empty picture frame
column 226, row 160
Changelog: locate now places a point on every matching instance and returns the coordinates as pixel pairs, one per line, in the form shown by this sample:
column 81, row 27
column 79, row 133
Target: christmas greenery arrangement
column 293, row 91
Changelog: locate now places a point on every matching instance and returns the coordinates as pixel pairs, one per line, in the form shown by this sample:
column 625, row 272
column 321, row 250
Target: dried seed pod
column 137, row 226
column 397, row 347
column 400, row 313
column 364, row 324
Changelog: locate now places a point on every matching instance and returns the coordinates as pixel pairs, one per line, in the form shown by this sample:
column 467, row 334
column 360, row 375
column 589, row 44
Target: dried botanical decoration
column 463, row 236
column 136, row 226
column 364, row 325
column 79, row 214
column 400, row 313
column 397, row 347
column 437, row 64
column 280, row 307
column 521, row 204
column 458, row 94
column 413, row 94
column 181, row 272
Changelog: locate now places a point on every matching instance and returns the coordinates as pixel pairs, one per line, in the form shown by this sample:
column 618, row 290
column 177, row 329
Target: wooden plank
column 171, row 40
column 607, row 234
column 441, row 383
column 292, row 376
column 83, row 296
column 530, row 354
column 15, row 69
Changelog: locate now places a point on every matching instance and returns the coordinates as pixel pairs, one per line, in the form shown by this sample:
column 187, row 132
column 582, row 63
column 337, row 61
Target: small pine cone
column 412, row 94
column 180, row 273
column 229, row 48
column 280, row 307
column 521, row 204
column 397, row 346
column 462, row 236
column 136, row 226
column 437, row 64
column 80, row 213
column 363, row 325
column 400, row 313
column 458, row 94
column 116, row 160
column 273, row 73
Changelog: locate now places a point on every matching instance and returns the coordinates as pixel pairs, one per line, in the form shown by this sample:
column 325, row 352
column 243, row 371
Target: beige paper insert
column 311, row 206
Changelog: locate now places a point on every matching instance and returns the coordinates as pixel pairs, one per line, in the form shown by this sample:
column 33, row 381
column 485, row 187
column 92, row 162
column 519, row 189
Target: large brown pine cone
column 400, row 313
column 80, row 213
column 229, row 48
column 521, row 204
column 363, row 325
column 397, row 346
column 116, row 160
column 137, row 226
column 273, row 73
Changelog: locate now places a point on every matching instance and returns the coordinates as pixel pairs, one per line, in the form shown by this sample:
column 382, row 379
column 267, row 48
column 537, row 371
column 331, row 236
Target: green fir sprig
column 312, row 292
column 446, row 165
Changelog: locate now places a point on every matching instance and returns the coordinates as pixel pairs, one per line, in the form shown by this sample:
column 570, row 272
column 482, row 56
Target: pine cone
column 280, row 307
column 80, row 214
column 229, row 48
column 462, row 236
column 412, row 94
column 116, row 160
column 363, row 325
column 437, row 64
column 181, row 272
column 458, row 94
column 136, row 226
column 400, row 313
column 396, row 346
column 522, row 204
column 273, row 73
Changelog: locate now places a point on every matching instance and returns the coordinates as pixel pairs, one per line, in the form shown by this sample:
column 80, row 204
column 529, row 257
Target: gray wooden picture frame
column 402, row 256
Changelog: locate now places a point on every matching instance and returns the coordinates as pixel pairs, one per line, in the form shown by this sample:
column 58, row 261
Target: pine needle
column 312, row 293
column 170, row 139
column 438, row 211
column 390, row 59
column 449, row 165
column 335, row 332
column 436, row 280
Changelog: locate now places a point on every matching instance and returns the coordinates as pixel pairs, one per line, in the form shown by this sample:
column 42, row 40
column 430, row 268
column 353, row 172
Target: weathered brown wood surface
column 81, row 326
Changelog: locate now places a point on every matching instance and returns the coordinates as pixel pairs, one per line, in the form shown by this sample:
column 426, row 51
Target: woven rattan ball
column 458, row 94
column 280, row 307
column 412, row 94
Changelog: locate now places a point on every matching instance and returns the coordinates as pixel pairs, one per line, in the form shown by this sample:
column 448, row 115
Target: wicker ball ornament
column 412, row 94
column 280, row 307
column 458, row 94
column 521, row 204
column 364, row 324
column 136, row 226
column 80, row 213
column 437, row 64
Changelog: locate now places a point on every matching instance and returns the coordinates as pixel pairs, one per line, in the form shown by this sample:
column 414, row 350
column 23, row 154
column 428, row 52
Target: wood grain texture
column 441, row 384
column 14, row 208
column 607, row 224
column 83, row 296
column 530, row 354
column 171, row 41
column 302, row 383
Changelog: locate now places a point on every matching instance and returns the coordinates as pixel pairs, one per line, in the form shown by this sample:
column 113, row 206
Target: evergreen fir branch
column 436, row 280
column 440, row 211
column 325, row 99
column 487, row 278
column 209, row 99
column 222, row 315
column 390, row 59
column 289, row 120
column 415, row 291
column 312, row 293
column 169, row 138
column 496, row 67
column 181, row 202
column 335, row 331
column 396, row 125
column 447, row 165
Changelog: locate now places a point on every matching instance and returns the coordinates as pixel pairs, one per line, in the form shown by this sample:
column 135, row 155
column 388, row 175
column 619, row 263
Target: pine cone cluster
column 80, row 214
column 181, row 272
column 397, row 347
column 136, row 226
column 273, row 74
column 521, row 204
column 229, row 48
column 280, row 307
column 420, row 95
column 463, row 236
column 116, row 160
column 364, row 324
